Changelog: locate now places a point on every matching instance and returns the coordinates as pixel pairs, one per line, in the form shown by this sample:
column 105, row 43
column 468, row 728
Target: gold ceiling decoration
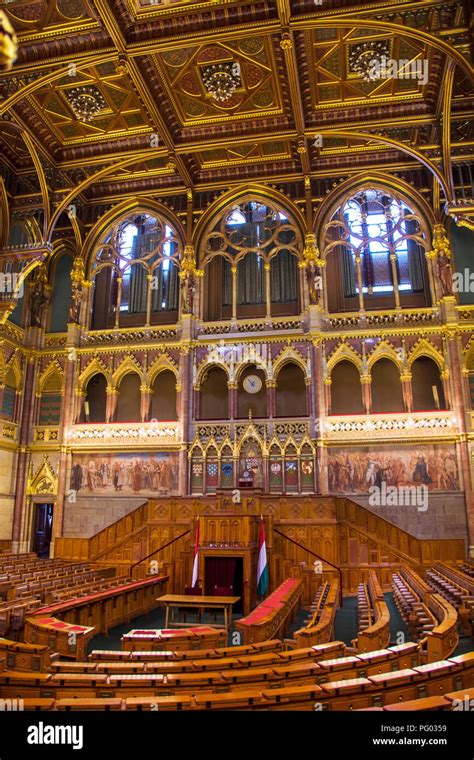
column 364, row 58
column 86, row 102
column 221, row 80
column 191, row 76
column 201, row 93
column 8, row 44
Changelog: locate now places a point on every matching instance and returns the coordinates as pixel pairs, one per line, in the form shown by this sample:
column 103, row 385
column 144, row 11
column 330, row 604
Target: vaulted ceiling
column 159, row 131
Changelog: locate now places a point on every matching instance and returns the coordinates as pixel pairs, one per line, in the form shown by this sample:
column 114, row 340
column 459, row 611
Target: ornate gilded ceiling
column 157, row 129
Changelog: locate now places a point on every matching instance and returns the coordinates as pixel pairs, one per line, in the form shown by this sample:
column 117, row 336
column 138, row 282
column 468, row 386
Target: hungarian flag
column 196, row 550
column 262, row 567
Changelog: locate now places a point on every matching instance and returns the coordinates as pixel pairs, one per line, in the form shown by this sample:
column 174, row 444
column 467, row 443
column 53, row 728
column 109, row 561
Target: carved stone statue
column 445, row 274
column 188, row 289
column 188, row 276
column 314, row 279
column 39, row 297
column 77, row 276
column 76, row 300
column 312, row 264
column 442, row 255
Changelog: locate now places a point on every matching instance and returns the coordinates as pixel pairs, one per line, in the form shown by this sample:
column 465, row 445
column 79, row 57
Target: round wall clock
column 252, row 384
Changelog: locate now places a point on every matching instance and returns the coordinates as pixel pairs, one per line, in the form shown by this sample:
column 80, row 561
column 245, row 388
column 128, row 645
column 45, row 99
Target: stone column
column 26, row 424
column 454, row 350
column 407, row 391
column 445, row 376
column 309, row 398
column 197, row 402
column 322, row 405
column 327, row 394
column 366, row 383
column 268, row 301
column 271, row 398
column 232, row 400
column 111, row 405
column 67, row 419
column 145, row 401
column 79, row 411
column 184, row 417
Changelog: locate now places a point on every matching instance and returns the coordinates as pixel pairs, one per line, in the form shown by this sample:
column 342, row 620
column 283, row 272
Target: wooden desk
column 177, row 601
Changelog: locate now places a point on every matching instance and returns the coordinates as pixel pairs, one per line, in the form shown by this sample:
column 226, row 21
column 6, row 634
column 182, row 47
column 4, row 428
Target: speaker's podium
column 228, row 548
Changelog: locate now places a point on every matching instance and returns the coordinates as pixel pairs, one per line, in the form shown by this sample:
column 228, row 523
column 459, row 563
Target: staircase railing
column 313, row 554
column 160, row 549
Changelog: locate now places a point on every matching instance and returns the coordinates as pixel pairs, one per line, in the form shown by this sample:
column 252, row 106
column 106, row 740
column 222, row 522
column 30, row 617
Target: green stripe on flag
column 263, row 582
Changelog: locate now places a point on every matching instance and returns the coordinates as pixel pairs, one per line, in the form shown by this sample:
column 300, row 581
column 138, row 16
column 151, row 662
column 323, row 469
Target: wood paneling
column 332, row 529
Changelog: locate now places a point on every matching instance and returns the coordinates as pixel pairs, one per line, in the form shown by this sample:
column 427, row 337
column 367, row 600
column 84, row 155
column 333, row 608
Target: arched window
column 96, row 398
column 135, row 274
column 12, row 287
column 50, row 400
column 346, row 391
column 428, row 392
column 129, row 399
column 387, row 393
column 163, row 399
column 214, row 395
column 291, row 392
column 375, row 248
column 61, row 296
column 9, row 397
column 250, row 259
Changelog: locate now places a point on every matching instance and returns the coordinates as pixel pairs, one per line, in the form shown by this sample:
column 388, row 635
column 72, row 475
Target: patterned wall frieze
column 125, row 435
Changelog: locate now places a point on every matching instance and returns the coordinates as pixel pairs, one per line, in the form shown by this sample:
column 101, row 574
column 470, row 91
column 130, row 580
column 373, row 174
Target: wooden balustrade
column 90, row 614
column 376, row 635
column 321, row 627
column 272, row 617
column 18, row 655
column 443, row 639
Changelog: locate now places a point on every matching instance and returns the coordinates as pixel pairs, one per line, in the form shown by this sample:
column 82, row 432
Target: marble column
column 460, row 409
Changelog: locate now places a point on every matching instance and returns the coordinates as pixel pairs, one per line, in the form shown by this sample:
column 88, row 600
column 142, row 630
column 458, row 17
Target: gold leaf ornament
column 8, row 44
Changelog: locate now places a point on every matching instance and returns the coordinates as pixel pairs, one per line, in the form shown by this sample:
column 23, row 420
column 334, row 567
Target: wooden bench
column 320, row 629
column 175, row 702
column 418, row 705
column 101, row 703
column 376, row 634
column 272, row 617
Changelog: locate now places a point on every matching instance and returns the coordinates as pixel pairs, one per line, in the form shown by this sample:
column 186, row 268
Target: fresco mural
column 355, row 470
column 150, row 474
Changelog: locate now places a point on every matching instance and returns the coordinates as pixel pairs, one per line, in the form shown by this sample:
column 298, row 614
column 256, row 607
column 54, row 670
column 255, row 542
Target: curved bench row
column 379, row 690
column 437, row 617
column 376, row 633
column 320, row 628
column 66, row 627
column 272, row 617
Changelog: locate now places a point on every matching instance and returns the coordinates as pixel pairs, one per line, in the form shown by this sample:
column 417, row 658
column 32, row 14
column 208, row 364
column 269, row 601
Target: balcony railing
column 129, row 434
column 381, row 426
column 8, row 431
column 44, row 434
